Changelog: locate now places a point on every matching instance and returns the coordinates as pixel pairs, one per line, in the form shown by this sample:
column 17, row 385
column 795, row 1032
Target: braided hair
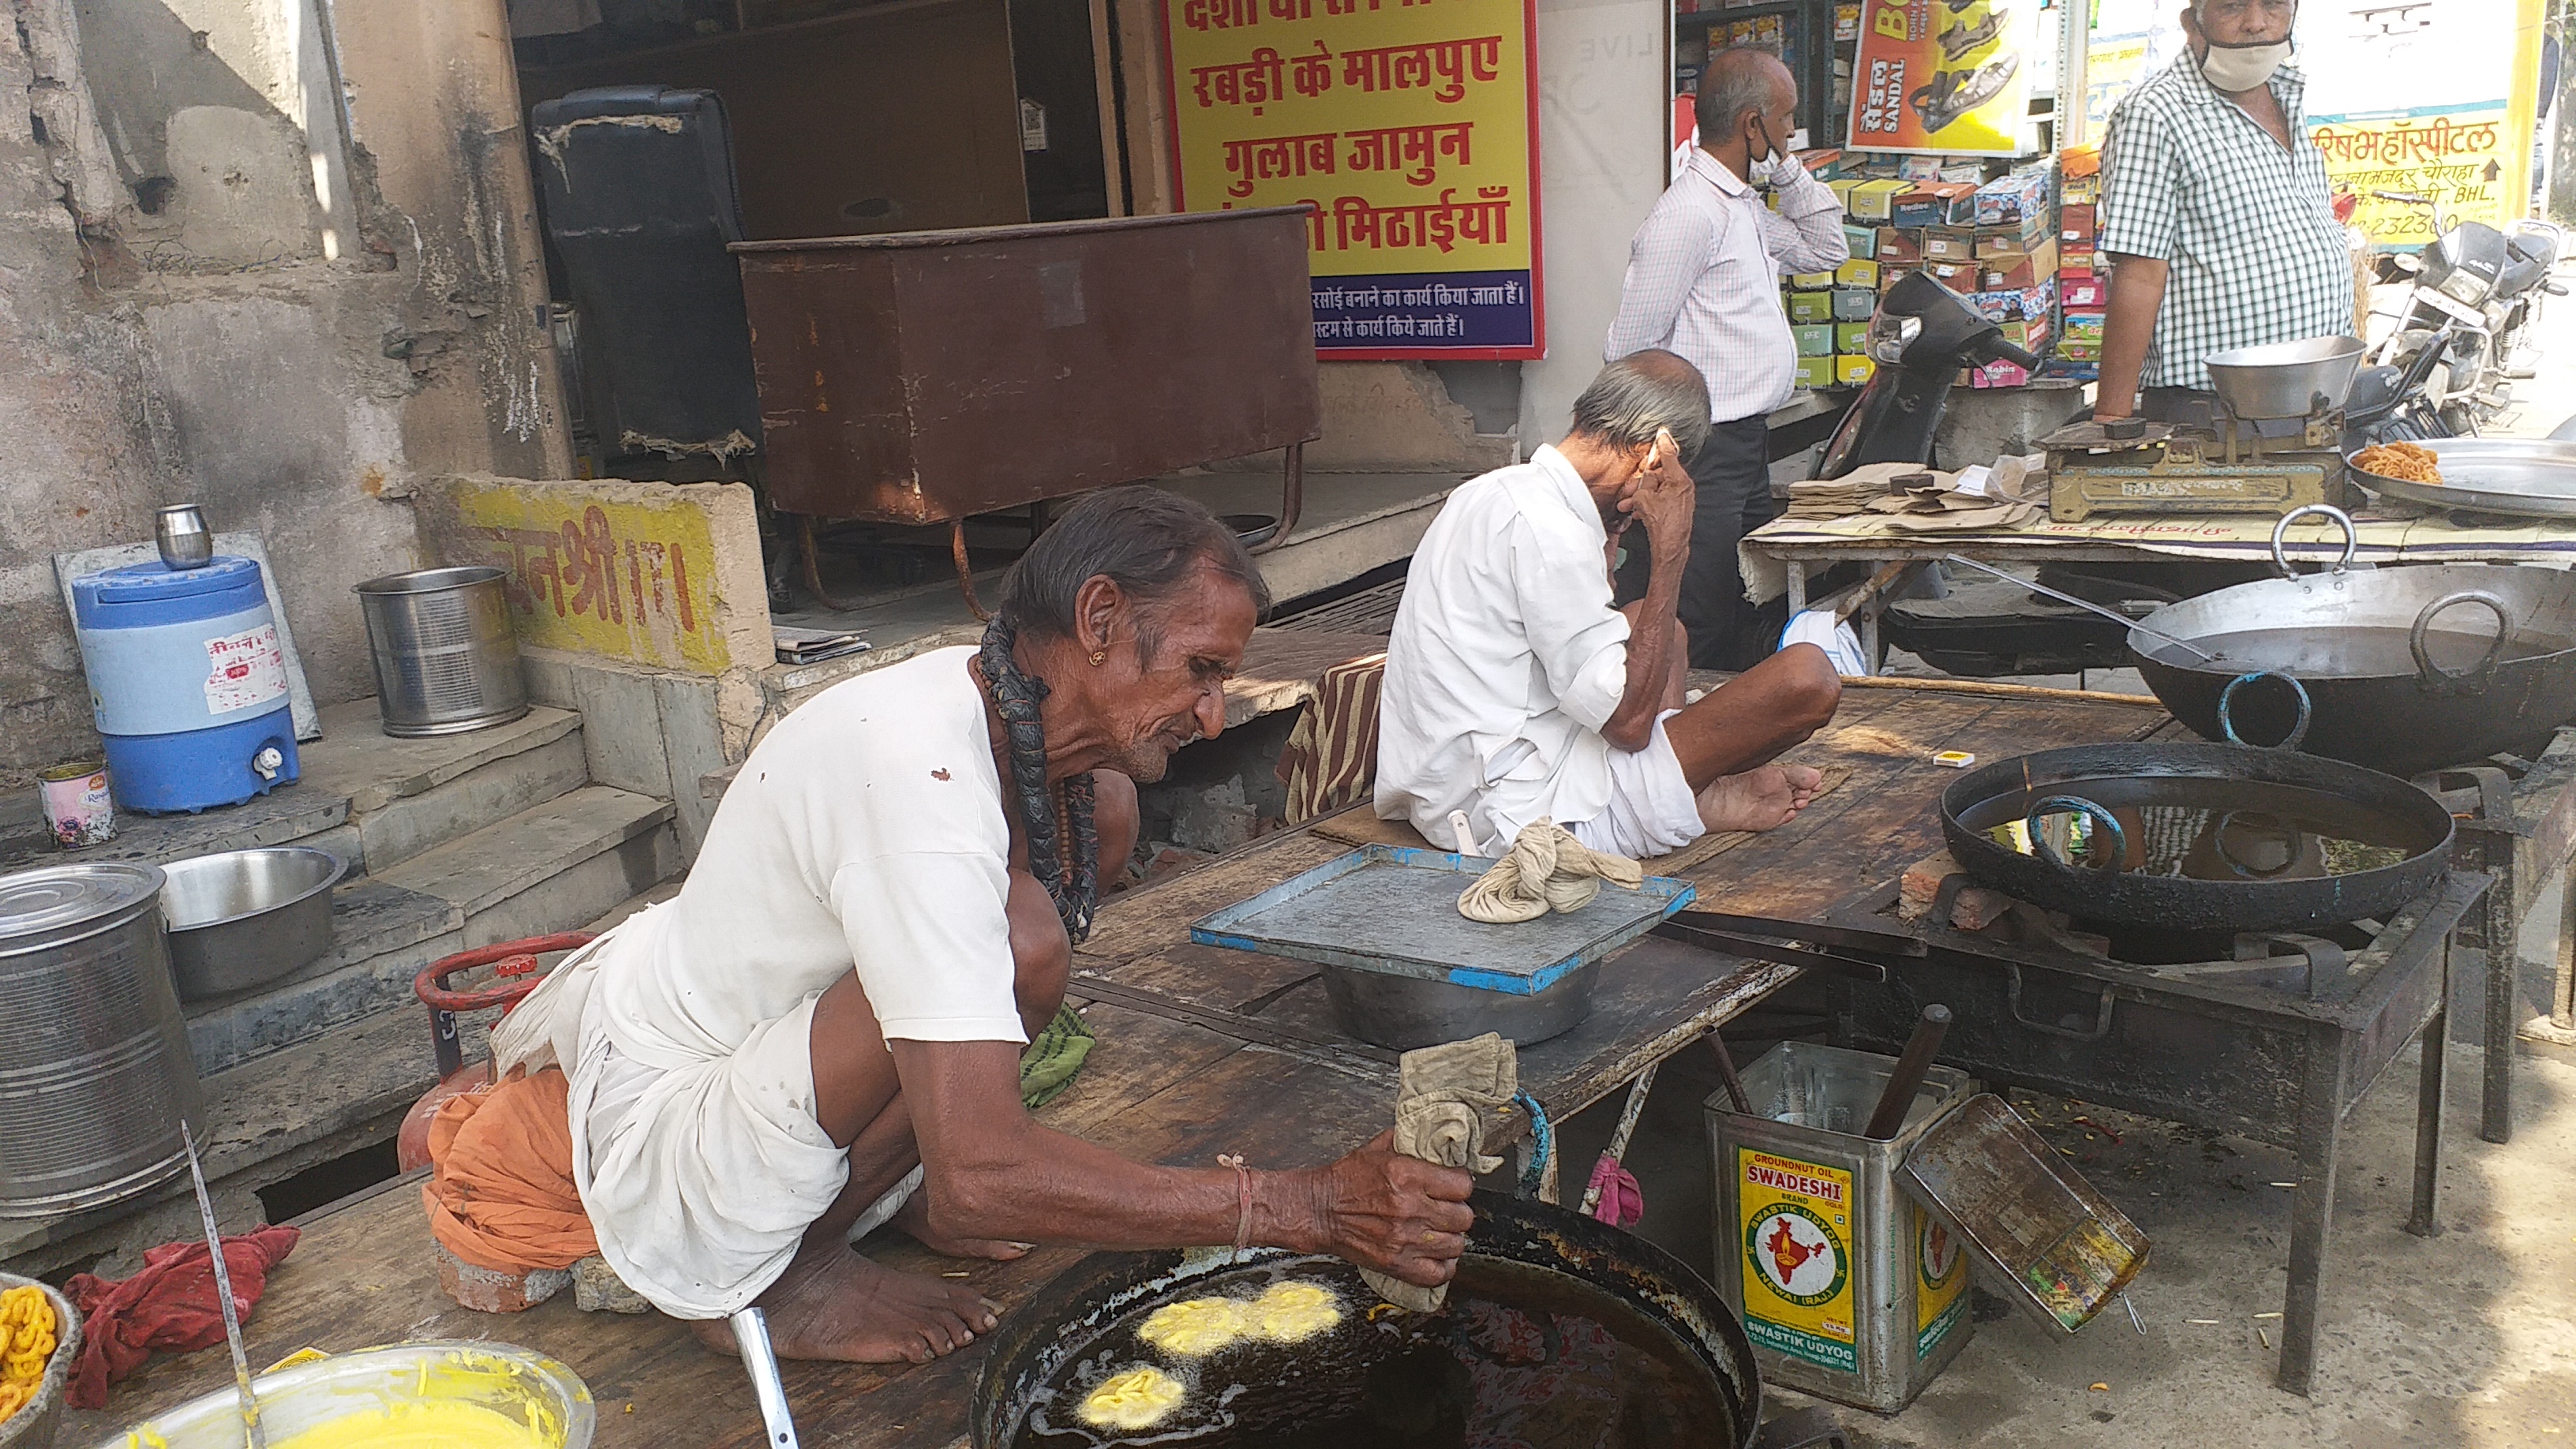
column 1075, row 890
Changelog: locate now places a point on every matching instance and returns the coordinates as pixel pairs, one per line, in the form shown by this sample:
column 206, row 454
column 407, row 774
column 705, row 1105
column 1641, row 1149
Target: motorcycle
column 1921, row 336
column 2474, row 291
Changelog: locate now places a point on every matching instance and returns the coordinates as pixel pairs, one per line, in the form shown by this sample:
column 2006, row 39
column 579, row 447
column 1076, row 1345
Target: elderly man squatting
column 1703, row 282
column 823, row 1030
column 1516, row 692
column 2216, row 215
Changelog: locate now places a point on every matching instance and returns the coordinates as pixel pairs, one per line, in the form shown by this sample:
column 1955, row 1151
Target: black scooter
column 1922, row 334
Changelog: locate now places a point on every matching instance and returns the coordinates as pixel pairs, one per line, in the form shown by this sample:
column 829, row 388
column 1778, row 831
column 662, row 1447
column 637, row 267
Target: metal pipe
column 1292, row 498
column 751, row 1338
column 1902, row 1085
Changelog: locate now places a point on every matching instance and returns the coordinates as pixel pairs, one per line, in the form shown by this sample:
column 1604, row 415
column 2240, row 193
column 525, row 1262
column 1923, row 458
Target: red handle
column 518, row 959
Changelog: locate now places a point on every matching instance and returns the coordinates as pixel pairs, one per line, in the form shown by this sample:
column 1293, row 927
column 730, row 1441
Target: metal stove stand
column 2516, row 821
column 2277, row 1044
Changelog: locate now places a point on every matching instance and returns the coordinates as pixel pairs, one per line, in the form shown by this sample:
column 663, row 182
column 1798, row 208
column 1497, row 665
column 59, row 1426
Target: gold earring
column 1098, row 658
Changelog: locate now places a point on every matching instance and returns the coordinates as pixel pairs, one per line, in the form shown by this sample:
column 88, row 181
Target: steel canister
column 95, row 1074
column 78, row 809
column 1849, row 1290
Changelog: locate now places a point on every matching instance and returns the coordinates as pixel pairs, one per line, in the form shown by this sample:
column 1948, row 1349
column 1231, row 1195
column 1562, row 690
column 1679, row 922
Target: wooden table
column 1201, row 1051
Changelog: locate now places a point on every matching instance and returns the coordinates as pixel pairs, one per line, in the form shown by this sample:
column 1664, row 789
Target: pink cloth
column 1622, row 1203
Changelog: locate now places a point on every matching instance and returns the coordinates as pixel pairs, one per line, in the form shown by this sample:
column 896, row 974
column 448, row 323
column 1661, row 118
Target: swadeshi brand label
column 1797, row 1259
column 1940, row 1282
column 244, row 669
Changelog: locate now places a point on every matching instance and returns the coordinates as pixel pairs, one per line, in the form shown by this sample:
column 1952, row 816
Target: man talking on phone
column 1515, row 692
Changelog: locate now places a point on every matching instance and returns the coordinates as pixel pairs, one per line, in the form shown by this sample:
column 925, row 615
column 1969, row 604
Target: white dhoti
column 700, row 1176
column 1651, row 810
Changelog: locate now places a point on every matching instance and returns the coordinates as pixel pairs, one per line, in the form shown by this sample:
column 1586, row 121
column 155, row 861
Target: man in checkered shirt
column 2216, row 216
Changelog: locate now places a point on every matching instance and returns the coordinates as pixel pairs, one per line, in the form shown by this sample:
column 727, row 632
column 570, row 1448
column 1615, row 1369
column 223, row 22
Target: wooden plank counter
column 1200, row 1051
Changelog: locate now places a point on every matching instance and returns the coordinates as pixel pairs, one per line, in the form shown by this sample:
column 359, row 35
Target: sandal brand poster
column 1944, row 76
column 1410, row 128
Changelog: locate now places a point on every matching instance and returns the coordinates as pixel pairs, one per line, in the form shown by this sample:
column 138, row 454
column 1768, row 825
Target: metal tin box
column 1849, row 1289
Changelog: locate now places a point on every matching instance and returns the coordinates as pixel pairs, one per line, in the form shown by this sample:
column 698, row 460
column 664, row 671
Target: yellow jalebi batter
column 1198, row 1327
column 1293, row 1311
column 1136, row 1399
column 27, row 1331
column 425, row 1424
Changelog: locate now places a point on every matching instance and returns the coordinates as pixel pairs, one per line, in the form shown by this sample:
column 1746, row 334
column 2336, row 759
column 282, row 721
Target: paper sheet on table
column 2239, row 537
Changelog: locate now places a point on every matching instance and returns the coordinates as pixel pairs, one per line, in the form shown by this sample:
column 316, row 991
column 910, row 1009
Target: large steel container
column 446, row 658
column 95, row 1074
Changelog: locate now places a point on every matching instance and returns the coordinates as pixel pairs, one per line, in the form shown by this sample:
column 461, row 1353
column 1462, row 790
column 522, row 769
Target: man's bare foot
column 914, row 1218
column 834, row 1304
column 1763, row 798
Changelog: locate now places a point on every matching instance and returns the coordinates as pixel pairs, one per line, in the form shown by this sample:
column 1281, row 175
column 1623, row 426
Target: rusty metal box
column 919, row 377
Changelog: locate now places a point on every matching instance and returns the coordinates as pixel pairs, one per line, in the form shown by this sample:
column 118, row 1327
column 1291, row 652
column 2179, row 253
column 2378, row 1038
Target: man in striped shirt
column 2216, row 216
column 1704, row 283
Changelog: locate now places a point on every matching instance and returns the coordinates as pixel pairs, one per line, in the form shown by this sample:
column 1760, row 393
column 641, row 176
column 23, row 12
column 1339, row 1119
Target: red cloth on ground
column 170, row 1306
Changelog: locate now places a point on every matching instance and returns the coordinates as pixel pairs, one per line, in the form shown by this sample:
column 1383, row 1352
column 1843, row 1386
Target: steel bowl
column 1404, row 1012
column 2284, row 379
column 518, row 1383
column 244, row 918
column 33, row 1426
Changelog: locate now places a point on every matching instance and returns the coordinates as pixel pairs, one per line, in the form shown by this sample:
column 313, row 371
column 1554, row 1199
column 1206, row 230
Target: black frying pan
column 2268, row 836
column 1083, row 1313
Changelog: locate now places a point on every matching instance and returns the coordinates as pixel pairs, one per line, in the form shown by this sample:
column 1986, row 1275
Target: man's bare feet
column 834, row 1304
column 914, row 1218
column 1764, row 798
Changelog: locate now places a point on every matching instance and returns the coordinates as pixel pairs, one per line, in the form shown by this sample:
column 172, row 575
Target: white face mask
column 2243, row 67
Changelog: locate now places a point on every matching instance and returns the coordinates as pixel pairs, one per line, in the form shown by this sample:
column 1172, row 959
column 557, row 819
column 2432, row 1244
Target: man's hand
column 1397, row 1214
column 1664, row 498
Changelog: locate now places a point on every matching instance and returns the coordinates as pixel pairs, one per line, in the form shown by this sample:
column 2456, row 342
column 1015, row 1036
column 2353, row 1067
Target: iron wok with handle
column 2405, row 723
column 2099, row 781
column 1083, row 1306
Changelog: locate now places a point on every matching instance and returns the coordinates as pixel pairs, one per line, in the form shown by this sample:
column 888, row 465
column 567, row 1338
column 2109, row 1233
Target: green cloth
column 1047, row 1067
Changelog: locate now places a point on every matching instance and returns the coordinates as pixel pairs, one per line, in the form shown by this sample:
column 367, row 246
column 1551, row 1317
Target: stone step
column 367, row 797
column 381, row 935
column 548, row 868
column 266, row 1120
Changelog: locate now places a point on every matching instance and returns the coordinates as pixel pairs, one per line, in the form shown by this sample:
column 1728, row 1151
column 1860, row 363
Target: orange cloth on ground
column 500, row 1191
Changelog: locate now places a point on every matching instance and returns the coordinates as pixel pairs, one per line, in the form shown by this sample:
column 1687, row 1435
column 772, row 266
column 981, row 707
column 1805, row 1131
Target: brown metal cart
column 920, row 377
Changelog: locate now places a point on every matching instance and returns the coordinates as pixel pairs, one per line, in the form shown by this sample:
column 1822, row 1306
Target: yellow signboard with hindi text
column 1409, row 128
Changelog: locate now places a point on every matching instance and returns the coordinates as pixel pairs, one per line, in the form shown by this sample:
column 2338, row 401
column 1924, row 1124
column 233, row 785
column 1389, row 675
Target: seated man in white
column 1515, row 691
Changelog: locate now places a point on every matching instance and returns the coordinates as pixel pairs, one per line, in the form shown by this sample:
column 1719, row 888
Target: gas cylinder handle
column 2281, row 533
column 2298, row 729
column 2433, row 677
column 2112, row 860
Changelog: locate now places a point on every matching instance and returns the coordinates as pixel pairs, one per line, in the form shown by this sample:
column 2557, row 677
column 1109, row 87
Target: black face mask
column 1771, row 152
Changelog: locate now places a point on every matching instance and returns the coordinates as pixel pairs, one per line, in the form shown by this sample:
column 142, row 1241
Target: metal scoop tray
column 1393, row 909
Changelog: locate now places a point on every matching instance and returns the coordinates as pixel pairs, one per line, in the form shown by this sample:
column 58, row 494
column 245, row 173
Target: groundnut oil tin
column 78, row 809
column 1849, row 1290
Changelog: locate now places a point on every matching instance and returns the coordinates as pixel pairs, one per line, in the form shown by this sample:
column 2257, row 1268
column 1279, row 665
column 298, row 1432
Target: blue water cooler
column 188, row 683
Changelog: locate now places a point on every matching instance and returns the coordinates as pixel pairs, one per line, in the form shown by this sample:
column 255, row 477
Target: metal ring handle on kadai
column 2281, row 533
column 2298, row 729
column 2116, row 857
column 2433, row 677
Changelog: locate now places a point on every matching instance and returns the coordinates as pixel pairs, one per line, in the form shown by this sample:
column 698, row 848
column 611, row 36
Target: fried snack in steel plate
column 1292, row 1312
column 2405, row 462
column 1137, row 1399
column 1194, row 1328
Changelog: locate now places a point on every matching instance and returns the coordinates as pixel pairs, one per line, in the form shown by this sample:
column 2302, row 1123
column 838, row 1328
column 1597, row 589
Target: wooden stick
column 2001, row 691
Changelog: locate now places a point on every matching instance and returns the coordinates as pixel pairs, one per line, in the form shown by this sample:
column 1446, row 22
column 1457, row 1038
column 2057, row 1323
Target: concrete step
column 381, row 935
column 266, row 1120
column 367, row 797
column 548, row 868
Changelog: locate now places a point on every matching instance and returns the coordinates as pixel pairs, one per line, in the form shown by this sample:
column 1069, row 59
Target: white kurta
column 1505, row 661
column 865, row 833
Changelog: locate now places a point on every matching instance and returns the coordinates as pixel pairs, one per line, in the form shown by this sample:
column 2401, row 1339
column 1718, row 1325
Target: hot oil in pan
column 1519, row 1356
column 2219, row 830
column 2348, row 651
